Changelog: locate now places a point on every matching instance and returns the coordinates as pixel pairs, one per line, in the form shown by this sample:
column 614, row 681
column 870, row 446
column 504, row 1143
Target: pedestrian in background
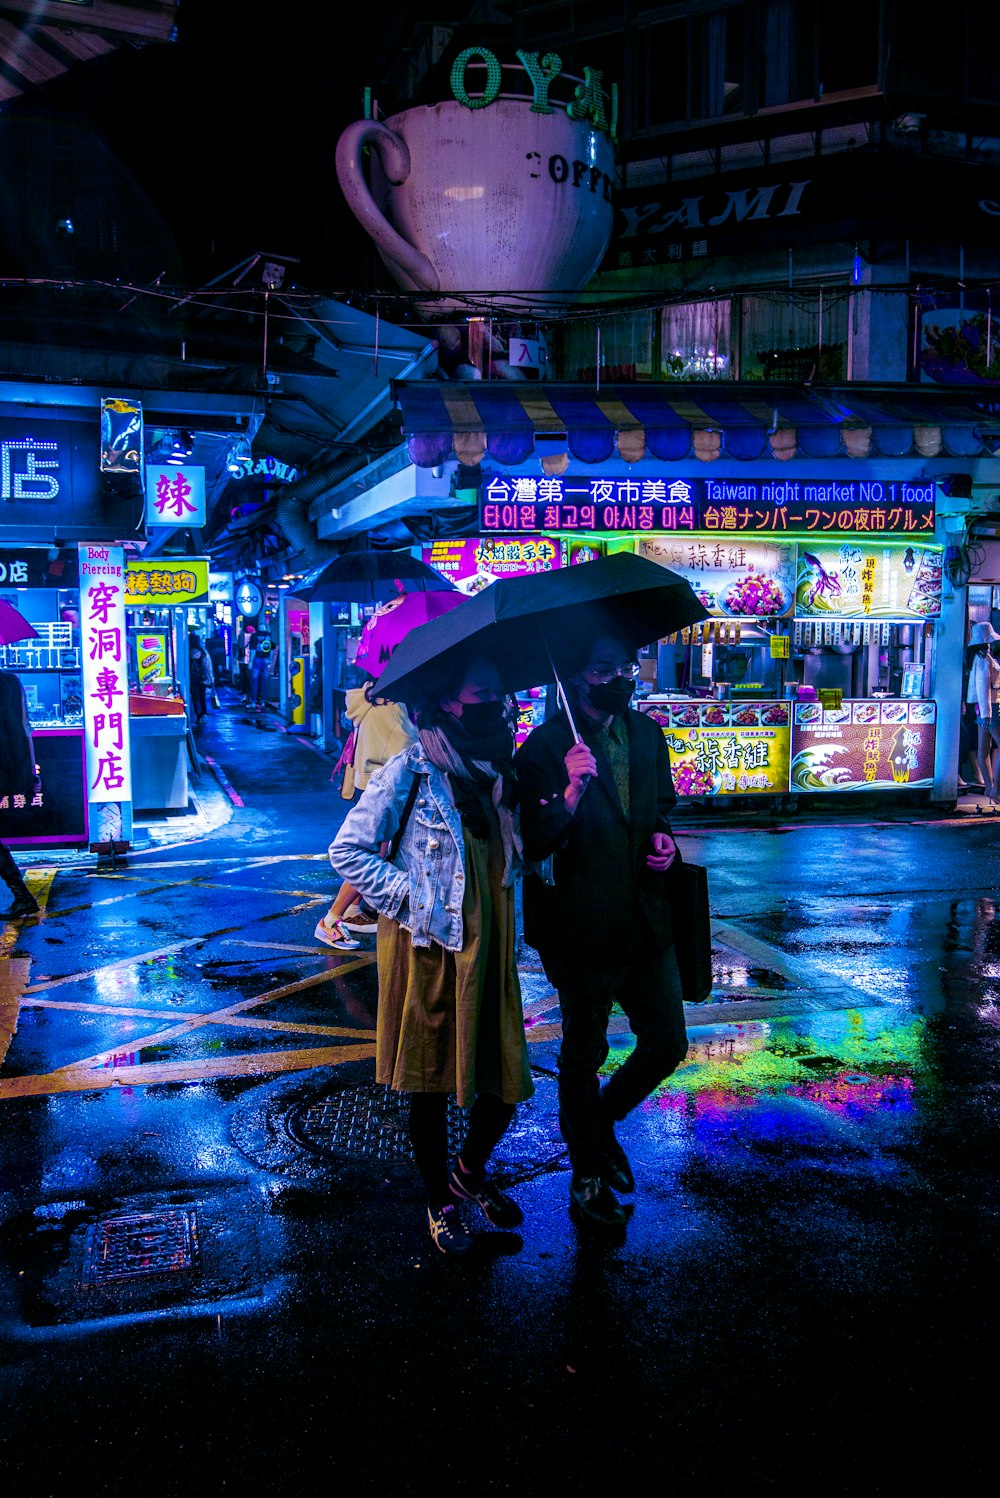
column 260, row 669
column 600, row 809
column 449, row 1005
column 984, row 691
column 202, row 675
column 380, row 730
column 246, row 656
column 18, row 783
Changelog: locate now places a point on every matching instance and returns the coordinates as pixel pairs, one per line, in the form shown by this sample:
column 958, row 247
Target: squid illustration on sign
column 815, row 584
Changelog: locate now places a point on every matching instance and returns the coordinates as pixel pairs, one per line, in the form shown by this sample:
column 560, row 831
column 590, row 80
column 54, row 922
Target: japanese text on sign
column 524, row 503
column 105, row 677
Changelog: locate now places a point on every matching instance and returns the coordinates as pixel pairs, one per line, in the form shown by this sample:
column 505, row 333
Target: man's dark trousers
column 648, row 990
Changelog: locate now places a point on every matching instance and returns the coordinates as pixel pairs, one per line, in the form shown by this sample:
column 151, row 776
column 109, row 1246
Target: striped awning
column 508, row 421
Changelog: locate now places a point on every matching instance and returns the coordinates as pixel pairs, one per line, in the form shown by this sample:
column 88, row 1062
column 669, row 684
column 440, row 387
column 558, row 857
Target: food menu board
column 725, row 748
column 733, row 578
column 865, row 745
column 866, row 579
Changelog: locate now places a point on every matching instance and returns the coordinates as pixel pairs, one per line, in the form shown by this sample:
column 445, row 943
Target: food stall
column 815, row 671
column 43, row 585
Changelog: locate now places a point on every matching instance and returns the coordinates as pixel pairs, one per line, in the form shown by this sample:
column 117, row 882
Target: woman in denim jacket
column 449, row 1013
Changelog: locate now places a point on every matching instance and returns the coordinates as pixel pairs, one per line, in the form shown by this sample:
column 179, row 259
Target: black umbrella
column 533, row 626
column 369, row 577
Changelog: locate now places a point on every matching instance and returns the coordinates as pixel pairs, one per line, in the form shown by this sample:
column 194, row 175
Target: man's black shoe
column 23, row 905
column 594, row 1202
column 615, row 1168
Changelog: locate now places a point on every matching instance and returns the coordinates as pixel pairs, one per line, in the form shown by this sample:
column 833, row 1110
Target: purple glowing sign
column 728, row 506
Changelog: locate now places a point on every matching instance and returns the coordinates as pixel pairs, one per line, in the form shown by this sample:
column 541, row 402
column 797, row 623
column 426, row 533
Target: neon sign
column 882, row 507
column 588, row 102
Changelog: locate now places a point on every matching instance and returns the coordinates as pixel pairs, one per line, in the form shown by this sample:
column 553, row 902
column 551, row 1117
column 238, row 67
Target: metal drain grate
column 144, row 1243
column 364, row 1122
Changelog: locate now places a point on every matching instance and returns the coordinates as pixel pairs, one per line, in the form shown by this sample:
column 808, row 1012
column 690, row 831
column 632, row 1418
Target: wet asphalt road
column 213, row 1265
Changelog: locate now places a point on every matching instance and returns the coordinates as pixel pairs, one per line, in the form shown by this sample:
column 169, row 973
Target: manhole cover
column 365, row 1122
column 143, row 1243
column 369, row 1122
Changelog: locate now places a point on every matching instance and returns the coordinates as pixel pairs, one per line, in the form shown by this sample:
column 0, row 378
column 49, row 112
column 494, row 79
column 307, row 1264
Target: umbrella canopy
column 368, row 577
column 519, row 620
column 393, row 621
column 14, row 626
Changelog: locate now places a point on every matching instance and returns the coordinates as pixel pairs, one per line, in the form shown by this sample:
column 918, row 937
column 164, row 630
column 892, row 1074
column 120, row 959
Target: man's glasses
column 604, row 671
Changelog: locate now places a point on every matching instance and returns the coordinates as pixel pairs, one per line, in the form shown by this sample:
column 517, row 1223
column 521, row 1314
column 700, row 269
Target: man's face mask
column 611, row 696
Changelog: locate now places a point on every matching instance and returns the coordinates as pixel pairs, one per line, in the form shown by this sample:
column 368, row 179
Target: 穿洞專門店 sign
column 725, row 748
column 864, row 580
column 161, row 583
column 863, row 745
column 727, row 506
column 475, row 562
column 734, row 579
column 105, row 673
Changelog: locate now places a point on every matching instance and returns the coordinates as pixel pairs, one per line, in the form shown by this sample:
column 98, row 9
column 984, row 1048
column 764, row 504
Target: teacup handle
column 394, row 155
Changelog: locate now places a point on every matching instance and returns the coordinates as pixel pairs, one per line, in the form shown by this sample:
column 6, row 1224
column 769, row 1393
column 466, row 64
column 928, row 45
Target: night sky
column 232, row 130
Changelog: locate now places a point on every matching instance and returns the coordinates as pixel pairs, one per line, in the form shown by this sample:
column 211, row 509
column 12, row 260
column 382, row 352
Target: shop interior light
column 240, row 457
column 181, row 448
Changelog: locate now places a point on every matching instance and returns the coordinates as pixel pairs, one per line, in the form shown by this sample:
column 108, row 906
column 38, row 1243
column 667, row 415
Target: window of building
column 695, row 342
column 794, row 335
column 620, row 346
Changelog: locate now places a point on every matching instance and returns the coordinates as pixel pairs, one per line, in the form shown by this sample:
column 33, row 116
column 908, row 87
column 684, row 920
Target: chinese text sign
column 105, row 675
column 175, row 496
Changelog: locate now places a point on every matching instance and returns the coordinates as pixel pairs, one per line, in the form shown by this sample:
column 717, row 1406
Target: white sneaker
column 336, row 935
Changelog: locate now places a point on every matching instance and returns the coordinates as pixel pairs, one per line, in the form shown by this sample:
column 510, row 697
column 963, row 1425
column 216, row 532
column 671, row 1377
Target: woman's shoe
column 500, row 1210
column 336, row 935
column 447, row 1230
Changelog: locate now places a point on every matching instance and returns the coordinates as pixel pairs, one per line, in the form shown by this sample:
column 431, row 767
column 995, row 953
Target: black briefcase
column 687, row 886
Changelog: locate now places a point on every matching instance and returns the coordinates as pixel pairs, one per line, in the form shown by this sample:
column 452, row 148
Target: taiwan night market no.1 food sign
column 887, row 507
column 105, row 673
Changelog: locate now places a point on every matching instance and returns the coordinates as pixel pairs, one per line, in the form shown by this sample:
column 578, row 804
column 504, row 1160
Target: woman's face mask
column 484, row 719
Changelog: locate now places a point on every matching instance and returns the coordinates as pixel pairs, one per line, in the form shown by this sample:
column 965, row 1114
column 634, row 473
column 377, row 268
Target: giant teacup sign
column 488, row 193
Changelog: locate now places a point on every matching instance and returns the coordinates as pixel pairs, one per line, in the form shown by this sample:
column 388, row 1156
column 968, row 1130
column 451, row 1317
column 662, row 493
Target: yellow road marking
column 14, row 970
column 13, row 977
column 110, row 967
column 345, row 1031
column 177, row 946
column 218, row 1016
column 283, row 946
column 149, row 1073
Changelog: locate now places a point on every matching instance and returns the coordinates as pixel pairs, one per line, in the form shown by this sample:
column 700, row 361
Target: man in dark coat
column 600, row 808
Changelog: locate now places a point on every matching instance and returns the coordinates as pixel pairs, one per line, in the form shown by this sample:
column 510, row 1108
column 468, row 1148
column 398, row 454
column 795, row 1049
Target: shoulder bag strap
column 397, row 836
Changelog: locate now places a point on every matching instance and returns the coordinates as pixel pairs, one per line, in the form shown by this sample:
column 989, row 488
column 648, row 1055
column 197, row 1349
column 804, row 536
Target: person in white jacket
column 984, row 691
column 380, row 730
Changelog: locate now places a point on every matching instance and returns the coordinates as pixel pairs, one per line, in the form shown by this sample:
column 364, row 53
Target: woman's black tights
column 489, row 1120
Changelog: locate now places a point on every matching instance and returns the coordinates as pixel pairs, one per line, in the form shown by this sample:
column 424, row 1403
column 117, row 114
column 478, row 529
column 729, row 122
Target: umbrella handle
column 564, row 704
column 563, row 699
